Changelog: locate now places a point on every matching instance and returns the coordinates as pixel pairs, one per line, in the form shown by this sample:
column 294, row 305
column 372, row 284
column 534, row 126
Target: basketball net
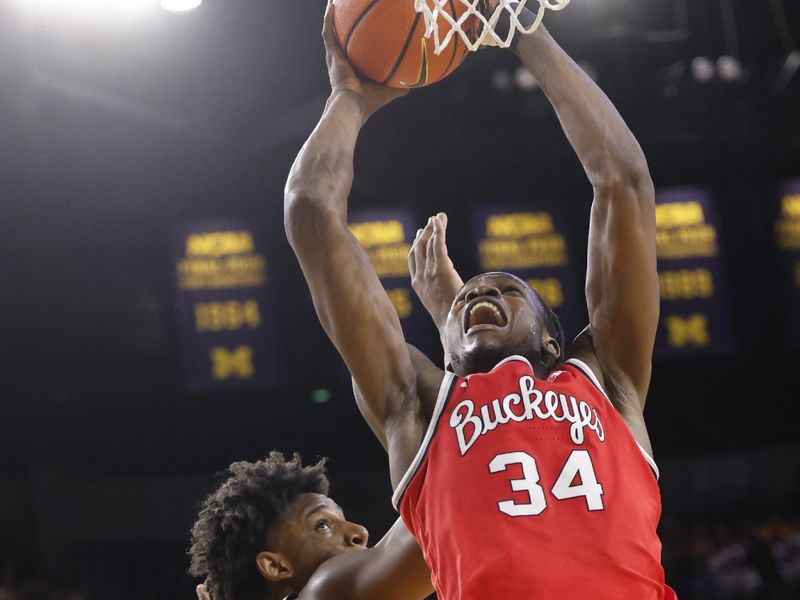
column 484, row 33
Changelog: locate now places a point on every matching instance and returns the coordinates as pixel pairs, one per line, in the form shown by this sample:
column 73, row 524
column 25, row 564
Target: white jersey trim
column 512, row 358
column 441, row 401
column 586, row 370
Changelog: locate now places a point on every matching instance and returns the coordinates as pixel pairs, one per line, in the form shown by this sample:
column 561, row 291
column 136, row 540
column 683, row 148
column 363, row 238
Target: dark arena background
column 155, row 326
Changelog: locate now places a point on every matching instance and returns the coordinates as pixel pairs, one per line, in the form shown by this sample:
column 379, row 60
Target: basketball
column 384, row 40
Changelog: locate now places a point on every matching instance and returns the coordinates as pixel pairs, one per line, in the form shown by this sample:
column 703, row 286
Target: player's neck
column 486, row 364
column 278, row 592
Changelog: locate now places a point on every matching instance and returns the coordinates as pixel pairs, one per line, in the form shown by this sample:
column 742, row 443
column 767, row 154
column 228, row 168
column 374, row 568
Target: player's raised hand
column 433, row 276
column 343, row 77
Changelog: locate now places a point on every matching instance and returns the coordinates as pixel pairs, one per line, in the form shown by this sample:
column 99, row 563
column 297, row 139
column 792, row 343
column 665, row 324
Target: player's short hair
column 551, row 320
column 232, row 526
column 553, row 324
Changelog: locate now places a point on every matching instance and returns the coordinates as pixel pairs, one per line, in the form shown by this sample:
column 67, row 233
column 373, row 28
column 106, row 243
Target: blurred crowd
column 734, row 559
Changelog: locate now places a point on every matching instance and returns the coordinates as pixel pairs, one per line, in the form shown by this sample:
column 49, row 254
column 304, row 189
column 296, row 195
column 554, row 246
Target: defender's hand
column 433, row 276
column 371, row 95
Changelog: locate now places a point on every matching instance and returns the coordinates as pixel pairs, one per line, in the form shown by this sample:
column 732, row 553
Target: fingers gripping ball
column 385, row 40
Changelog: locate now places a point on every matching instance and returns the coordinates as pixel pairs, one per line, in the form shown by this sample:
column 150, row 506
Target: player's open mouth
column 484, row 313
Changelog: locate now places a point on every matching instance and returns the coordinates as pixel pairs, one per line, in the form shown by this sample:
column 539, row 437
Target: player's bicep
column 354, row 309
column 397, row 571
column 392, row 570
column 622, row 280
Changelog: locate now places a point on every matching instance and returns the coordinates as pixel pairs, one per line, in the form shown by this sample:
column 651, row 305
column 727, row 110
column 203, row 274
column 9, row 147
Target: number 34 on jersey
column 576, row 480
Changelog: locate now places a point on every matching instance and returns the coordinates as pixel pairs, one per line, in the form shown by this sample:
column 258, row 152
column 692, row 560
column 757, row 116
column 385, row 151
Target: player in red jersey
column 521, row 475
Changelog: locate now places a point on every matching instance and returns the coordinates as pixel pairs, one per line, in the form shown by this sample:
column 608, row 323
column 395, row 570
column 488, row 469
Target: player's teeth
column 488, row 305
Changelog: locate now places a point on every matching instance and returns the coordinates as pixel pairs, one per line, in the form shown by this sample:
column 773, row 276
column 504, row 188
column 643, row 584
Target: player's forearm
column 601, row 139
column 322, row 173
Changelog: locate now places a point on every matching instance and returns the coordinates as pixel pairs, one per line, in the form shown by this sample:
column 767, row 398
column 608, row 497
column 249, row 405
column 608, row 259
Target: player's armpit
column 421, row 406
column 429, row 382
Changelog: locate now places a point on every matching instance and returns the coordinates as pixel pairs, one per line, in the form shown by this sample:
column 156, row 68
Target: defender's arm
column 621, row 280
column 349, row 299
column 393, row 570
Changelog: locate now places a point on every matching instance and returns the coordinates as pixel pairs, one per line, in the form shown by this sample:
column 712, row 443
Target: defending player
column 520, row 474
column 271, row 532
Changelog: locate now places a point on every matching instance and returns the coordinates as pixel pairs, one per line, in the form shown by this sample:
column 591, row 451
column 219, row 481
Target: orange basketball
column 384, row 40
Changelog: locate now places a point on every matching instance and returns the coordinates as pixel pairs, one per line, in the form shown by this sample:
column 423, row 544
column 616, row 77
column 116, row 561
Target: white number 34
column 579, row 463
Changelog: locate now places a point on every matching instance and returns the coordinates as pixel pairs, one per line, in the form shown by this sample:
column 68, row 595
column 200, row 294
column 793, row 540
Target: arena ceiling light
column 180, row 5
column 86, row 8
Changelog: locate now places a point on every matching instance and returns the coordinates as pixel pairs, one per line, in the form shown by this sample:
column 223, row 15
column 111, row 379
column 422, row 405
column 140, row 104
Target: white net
column 475, row 28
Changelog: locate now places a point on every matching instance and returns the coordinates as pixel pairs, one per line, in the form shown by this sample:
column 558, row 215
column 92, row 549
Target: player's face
column 312, row 530
column 494, row 315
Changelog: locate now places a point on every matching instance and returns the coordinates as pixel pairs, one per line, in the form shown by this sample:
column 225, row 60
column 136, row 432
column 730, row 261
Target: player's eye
column 323, row 525
column 512, row 291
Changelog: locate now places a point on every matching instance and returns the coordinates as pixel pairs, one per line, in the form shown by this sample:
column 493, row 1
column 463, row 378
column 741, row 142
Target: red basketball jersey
column 531, row 489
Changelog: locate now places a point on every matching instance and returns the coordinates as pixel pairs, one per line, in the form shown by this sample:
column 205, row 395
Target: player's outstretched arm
column 622, row 282
column 394, row 569
column 433, row 276
column 348, row 297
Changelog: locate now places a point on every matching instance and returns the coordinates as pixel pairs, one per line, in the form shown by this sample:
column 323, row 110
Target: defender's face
column 312, row 530
column 495, row 315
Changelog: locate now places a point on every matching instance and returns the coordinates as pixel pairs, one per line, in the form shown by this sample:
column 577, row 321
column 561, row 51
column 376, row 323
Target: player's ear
column 273, row 566
column 551, row 350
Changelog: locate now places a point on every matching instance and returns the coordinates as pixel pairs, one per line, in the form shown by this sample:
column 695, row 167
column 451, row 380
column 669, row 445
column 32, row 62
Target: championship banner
column 530, row 243
column 787, row 241
column 695, row 316
column 386, row 236
column 227, row 318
